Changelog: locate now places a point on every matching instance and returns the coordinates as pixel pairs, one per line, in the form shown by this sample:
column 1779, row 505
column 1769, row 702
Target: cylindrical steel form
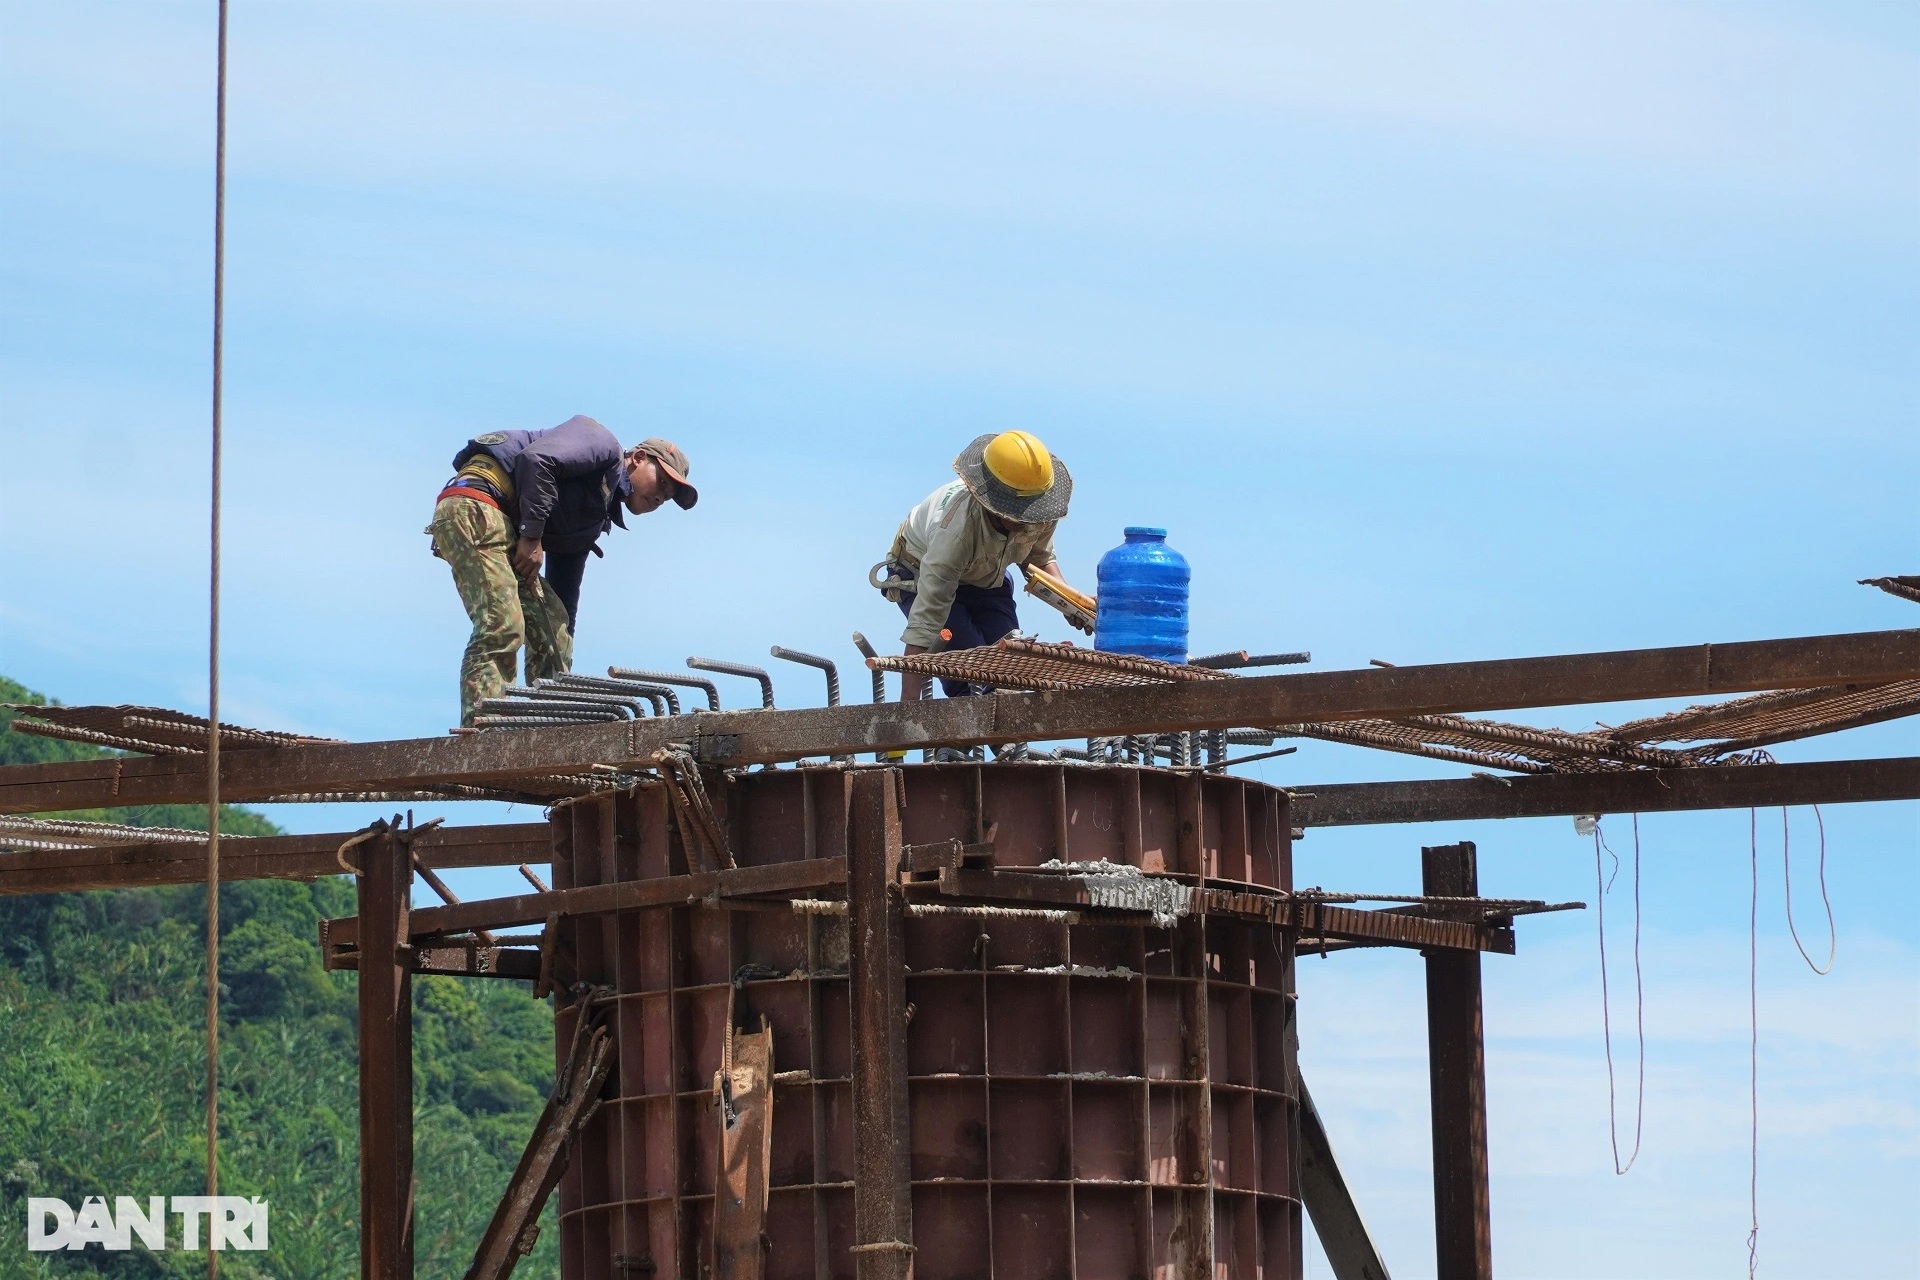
column 1105, row 1100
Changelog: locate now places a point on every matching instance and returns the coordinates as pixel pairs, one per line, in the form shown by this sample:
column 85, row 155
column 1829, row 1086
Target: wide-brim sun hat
column 1001, row 498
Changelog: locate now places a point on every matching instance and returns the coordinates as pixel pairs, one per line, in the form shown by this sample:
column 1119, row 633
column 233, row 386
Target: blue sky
column 1431, row 332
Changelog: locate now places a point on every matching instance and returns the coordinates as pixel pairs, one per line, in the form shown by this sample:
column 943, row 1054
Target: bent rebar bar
column 740, row 669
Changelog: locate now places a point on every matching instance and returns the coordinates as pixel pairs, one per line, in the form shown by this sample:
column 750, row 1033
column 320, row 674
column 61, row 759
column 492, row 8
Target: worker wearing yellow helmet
column 948, row 565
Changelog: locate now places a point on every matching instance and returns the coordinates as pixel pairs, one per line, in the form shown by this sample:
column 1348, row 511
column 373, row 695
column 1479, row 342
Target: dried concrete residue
column 1098, row 867
column 1118, row 886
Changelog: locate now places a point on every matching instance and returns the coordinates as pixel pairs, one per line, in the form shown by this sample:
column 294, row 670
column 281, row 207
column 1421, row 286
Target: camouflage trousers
column 507, row 611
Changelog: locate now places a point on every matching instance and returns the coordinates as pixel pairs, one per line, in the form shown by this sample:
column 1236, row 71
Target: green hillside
column 103, row 1062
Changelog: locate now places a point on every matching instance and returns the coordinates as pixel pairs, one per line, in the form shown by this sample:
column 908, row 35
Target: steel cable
column 1786, row 862
column 1602, row 884
column 213, row 641
column 1753, row 1043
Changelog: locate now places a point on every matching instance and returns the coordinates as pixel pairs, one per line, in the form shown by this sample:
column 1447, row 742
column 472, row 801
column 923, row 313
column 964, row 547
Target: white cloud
column 1667, row 84
column 1306, row 215
column 910, row 101
column 1840, row 1109
column 946, row 197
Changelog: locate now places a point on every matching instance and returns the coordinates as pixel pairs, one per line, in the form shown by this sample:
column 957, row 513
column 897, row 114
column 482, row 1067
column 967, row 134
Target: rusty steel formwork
column 1718, row 733
column 992, row 1092
column 945, row 1057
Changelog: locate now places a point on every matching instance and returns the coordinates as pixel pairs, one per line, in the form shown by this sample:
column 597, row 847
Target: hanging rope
column 213, row 640
column 1786, row 861
column 1602, row 883
column 1753, row 1044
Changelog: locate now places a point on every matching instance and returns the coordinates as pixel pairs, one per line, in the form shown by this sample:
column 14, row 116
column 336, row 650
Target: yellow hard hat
column 1019, row 461
column 1012, row 475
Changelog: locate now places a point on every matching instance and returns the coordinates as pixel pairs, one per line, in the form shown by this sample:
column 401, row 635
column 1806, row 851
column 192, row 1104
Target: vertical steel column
column 386, row 1060
column 882, row 1187
column 1456, row 1063
column 1194, row 1255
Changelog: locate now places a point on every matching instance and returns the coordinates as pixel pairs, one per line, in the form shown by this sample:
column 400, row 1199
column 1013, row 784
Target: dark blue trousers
column 980, row 615
column 564, row 570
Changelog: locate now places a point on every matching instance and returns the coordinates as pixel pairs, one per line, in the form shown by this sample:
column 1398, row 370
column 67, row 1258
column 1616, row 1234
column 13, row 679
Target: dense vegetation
column 103, row 1064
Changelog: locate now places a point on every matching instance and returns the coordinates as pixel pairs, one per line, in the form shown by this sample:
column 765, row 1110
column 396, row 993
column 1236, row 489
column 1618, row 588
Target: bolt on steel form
column 1025, row 1017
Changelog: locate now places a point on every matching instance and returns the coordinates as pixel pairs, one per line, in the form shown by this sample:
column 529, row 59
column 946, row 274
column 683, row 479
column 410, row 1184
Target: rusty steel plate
column 1083, row 1100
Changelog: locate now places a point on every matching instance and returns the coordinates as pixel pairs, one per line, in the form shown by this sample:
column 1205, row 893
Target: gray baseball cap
column 675, row 464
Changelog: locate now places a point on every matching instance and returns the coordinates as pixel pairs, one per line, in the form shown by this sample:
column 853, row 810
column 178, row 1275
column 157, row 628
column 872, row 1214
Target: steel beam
column 386, row 1061
column 457, row 959
column 306, row 857
column 1457, row 1074
column 1313, row 805
column 738, row 738
column 622, row 895
column 1747, row 786
column 1323, row 1190
column 876, row 922
column 515, row 1224
column 1149, row 894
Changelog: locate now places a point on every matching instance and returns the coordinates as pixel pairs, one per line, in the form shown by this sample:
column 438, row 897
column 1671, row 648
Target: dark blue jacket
column 569, row 484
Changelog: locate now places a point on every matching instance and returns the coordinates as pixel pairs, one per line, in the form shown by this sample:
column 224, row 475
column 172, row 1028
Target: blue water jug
column 1143, row 598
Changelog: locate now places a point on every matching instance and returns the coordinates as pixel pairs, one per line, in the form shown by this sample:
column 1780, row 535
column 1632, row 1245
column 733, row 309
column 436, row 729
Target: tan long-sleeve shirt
column 946, row 540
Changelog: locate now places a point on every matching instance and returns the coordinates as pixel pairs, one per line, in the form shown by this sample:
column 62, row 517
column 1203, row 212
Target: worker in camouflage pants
column 507, row 610
column 521, row 500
